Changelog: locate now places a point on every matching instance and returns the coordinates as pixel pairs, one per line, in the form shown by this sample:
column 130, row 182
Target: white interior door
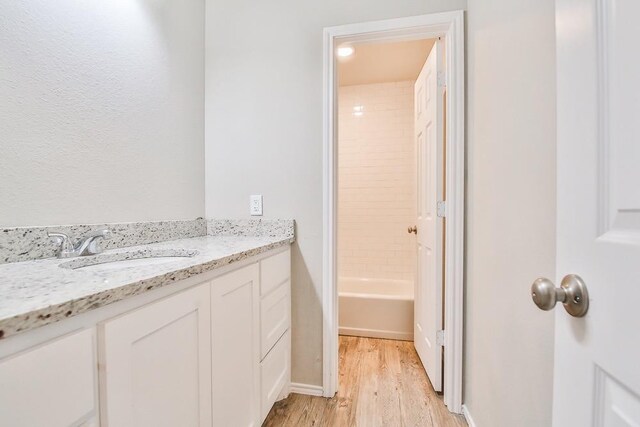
column 597, row 357
column 429, row 152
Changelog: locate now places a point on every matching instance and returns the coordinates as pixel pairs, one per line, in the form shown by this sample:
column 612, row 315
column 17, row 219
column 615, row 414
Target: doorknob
column 413, row 230
column 572, row 293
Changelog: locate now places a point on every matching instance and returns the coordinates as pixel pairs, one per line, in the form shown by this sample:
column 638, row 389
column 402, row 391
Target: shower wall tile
column 376, row 181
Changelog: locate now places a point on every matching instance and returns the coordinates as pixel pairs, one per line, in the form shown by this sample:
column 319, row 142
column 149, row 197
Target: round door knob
column 572, row 293
column 413, row 230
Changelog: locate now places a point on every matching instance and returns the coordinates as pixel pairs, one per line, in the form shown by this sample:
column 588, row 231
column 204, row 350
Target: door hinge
column 442, row 209
column 442, row 79
column 440, row 338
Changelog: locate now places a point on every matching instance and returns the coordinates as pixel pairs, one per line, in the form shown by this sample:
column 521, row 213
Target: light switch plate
column 255, row 204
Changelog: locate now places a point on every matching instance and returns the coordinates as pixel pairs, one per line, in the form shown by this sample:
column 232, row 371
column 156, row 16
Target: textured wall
column 376, row 181
column 263, row 129
column 101, row 111
column 510, row 211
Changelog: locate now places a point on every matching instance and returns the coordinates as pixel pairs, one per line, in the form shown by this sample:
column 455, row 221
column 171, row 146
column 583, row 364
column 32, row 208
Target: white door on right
column 428, row 94
column 597, row 357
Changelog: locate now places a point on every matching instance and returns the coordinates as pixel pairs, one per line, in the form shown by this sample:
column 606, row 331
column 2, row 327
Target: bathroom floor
column 382, row 383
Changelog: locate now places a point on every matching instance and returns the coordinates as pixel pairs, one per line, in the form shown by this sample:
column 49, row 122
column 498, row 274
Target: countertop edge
column 27, row 321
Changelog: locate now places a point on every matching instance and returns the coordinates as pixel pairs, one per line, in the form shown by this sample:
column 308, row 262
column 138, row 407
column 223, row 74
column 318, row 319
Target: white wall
column 263, row 128
column 376, row 181
column 101, row 111
column 511, row 210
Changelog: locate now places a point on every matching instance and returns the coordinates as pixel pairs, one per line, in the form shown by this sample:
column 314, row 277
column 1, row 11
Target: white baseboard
column 467, row 416
column 375, row 333
column 309, row 389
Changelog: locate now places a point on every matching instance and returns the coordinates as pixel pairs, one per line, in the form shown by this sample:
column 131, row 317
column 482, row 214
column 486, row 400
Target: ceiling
column 384, row 62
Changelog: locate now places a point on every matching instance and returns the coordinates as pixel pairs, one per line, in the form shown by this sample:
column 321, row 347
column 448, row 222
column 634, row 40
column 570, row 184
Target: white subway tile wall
column 376, row 181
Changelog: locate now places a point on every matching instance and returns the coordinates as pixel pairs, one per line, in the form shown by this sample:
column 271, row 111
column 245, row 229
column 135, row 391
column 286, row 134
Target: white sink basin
column 125, row 260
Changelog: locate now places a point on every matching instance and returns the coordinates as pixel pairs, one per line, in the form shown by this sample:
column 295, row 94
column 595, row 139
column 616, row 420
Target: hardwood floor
column 382, row 383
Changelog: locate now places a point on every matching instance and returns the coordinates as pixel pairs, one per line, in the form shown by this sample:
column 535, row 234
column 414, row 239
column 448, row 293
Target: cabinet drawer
column 274, row 375
column 274, row 317
column 274, row 270
column 51, row 385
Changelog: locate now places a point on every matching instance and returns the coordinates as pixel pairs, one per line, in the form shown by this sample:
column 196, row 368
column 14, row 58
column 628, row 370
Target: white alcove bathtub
column 377, row 308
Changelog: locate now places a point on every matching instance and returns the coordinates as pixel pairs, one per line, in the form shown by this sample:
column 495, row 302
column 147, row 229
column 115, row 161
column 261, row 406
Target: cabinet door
column 51, row 385
column 235, row 348
column 156, row 364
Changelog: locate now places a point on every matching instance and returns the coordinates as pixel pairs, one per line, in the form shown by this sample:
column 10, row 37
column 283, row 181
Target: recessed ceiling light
column 344, row 51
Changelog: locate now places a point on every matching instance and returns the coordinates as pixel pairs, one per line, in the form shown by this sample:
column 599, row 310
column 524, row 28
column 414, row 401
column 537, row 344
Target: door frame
column 449, row 26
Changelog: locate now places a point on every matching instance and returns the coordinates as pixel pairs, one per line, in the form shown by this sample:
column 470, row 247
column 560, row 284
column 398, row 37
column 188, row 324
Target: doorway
column 446, row 27
column 390, row 179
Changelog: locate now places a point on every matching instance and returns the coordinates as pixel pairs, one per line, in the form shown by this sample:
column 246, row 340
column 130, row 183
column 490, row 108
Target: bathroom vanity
column 198, row 341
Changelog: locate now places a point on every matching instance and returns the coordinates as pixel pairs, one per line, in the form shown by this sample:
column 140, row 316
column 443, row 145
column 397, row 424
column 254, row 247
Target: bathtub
column 377, row 308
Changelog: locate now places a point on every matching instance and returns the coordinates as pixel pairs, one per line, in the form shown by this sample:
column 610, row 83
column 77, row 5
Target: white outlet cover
column 255, row 205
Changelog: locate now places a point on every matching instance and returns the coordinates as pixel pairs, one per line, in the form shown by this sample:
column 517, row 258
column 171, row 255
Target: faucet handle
column 89, row 245
column 64, row 242
column 59, row 237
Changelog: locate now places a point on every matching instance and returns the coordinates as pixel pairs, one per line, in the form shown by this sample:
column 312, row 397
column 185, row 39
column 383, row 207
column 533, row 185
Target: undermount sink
column 131, row 259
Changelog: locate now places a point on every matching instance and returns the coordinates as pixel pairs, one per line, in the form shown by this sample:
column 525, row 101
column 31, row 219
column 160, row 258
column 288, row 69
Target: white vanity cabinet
column 251, row 318
column 214, row 352
column 155, row 364
column 53, row 384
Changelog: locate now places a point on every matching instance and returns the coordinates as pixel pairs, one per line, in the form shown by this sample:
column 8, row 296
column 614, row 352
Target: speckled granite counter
column 39, row 292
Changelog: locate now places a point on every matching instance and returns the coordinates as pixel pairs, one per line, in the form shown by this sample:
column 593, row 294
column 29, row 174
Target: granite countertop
column 39, row 292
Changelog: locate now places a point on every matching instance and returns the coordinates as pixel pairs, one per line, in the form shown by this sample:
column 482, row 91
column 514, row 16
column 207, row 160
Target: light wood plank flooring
column 382, row 383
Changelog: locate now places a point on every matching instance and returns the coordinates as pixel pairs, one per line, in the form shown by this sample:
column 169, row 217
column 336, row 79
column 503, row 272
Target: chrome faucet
column 88, row 245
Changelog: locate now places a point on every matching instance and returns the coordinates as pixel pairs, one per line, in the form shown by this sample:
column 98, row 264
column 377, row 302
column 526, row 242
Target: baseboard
column 375, row 333
column 467, row 416
column 308, row 389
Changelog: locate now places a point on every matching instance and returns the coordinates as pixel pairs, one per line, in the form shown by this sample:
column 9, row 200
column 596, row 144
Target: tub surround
column 377, row 181
column 39, row 292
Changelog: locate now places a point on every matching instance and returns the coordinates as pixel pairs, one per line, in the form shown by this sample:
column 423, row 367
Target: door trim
column 449, row 26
